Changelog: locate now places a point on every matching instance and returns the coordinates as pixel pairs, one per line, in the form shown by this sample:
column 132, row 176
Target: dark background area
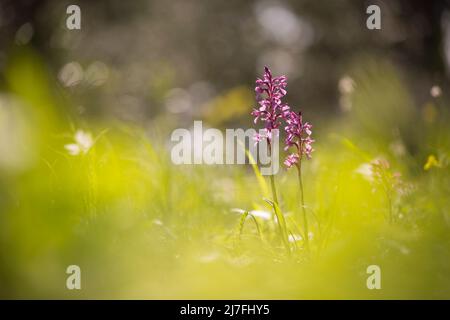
column 208, row 47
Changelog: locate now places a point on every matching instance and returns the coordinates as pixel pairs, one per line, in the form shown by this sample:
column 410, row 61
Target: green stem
column 391, row 218
column 274, row 189
column 305, row 219
column 279, row 215
column 280, row 218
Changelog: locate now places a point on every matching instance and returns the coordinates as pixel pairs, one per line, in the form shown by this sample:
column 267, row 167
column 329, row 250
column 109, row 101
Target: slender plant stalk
column 274, row 188
column 386, row 184
column 280, row 218
column 242, row 222
column 302, row 204
column 390, row 207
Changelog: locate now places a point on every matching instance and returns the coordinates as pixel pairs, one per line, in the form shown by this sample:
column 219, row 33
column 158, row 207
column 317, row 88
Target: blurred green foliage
column 140, row 227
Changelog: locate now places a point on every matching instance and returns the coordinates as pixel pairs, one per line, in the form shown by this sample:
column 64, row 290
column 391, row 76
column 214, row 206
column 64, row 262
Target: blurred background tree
column 153, row 57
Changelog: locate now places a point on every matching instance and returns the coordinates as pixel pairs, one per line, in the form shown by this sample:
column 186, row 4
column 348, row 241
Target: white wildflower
column 435, row 91
column 83, row 142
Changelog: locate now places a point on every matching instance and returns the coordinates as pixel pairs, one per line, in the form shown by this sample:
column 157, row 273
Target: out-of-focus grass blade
column 261, row 181
column 242, row 222
column 351, row 146
column 281, row 223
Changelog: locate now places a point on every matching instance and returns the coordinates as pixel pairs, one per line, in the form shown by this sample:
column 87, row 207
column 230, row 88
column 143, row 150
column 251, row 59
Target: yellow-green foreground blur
column 140, row 227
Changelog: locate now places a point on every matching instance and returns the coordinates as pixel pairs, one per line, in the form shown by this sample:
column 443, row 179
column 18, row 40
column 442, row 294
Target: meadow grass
column 141, row 227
